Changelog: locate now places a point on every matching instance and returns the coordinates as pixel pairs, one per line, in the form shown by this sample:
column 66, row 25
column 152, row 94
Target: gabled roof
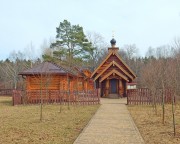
column 126, row 65
column 124, row 68
column 114, row 72
column 114, row 64
column 109, row 54
column 46, row 68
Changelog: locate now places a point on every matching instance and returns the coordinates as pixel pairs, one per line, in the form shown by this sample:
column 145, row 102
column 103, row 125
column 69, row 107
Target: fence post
column 127, row 97
column 17, row 97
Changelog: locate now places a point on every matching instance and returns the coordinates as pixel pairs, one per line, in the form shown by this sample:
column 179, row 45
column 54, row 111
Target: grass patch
column 151, row 127
column 21, row 124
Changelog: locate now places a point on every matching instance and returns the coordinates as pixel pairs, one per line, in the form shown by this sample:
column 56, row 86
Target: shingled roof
column 46, row 68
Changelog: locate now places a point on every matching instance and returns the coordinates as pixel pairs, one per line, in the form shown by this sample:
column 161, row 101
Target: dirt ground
column 151, row 127
column 21, row 124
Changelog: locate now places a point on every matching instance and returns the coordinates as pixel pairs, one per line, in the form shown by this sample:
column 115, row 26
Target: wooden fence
column 6, row 92
column 17, row 97
column 144, row 96
column 56, row 96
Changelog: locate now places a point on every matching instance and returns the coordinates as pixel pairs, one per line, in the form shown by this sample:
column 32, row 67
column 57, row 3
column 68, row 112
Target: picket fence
column 6, row 92
column 143, row 96
column 55, row 96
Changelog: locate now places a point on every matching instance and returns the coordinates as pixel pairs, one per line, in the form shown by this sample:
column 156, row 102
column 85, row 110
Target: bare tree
column 149, row 75
column 29, row 53
column 12, row 67
column 46, row 51
column 130, row 56
column 176, row 55
column 172, row 84
column 99, row 48
column 43, row 79
column 150, row 52
column 131, row 50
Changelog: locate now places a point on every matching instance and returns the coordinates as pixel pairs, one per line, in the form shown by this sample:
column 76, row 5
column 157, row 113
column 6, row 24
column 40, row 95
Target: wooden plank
column 103, row 71
column 101, row 64
column 112, row 64
column 125, row 65
column 124, row 71
column 116, row 72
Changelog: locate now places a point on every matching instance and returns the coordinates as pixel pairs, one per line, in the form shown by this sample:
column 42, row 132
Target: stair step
column 115, row 96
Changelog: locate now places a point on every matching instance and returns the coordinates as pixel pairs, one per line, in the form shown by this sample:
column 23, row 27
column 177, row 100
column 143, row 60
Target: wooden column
column 107, row 88
column 125, row 88
column 120, row 88
column 100, row 89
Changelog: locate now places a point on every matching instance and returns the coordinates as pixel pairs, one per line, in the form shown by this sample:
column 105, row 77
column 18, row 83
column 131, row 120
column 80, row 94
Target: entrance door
column 113, row 83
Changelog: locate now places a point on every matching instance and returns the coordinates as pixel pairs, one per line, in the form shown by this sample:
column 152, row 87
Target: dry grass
column 21, row 124
column 151, row 127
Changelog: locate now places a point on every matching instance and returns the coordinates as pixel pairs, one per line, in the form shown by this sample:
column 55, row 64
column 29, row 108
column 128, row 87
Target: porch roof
column 113, row 72
column 113, row 63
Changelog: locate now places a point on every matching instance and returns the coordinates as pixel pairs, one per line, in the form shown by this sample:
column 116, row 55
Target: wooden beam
column 120, row 67
column 101, row 63
column 125, row 65
column 103, row 71
column 121, row 75
column 124, row 71
column 116, row 72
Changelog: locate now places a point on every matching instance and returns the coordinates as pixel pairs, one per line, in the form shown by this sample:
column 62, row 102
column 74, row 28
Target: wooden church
column 113, row 74
column 110, row 78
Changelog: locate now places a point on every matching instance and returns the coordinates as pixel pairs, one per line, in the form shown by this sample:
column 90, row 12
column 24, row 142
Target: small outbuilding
column 52, row 78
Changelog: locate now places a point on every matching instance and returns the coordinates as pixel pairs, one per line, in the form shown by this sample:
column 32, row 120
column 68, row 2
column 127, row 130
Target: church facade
column 113, row 74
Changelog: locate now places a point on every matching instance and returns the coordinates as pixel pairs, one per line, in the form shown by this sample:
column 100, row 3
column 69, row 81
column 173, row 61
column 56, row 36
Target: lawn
column 21, row 124
column 151, row 127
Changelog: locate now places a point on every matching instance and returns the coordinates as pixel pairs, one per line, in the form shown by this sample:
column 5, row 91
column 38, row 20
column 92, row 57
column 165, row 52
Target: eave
column 114, row 72
column 101, row 64
column 116, row 64
column 132, row 76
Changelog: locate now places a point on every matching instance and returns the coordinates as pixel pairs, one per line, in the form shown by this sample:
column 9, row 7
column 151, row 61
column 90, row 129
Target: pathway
column 112, row 124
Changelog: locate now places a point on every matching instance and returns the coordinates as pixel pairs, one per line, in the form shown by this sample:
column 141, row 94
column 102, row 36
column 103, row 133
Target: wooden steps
column 114, row 96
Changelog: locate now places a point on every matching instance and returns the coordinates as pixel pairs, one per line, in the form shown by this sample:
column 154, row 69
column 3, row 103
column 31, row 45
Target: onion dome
column 113, row 42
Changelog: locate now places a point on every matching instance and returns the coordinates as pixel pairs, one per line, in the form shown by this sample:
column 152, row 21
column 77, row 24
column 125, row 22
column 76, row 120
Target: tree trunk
column 163, row 106
column 41, row 99
column 153, row 95
column 60, row 97
column 173, row 114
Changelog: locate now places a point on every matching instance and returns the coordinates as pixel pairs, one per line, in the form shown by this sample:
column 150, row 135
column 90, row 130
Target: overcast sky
column 141, row 22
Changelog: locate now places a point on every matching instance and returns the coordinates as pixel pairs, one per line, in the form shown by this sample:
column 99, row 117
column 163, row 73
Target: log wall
column 56, row 82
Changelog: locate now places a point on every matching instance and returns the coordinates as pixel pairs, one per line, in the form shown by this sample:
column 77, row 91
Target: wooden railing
column 6, row 92
column 56, row 96
column 144, row 96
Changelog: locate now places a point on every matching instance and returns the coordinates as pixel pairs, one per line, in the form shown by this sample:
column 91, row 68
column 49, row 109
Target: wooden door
column 113, row 83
